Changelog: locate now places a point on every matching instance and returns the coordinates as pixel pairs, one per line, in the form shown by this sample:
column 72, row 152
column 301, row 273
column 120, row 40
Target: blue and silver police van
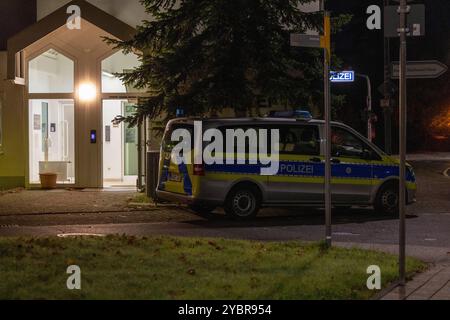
column 362, row 174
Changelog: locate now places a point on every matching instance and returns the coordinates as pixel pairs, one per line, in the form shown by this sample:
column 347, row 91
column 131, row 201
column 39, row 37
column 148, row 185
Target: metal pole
column 403, row 10
column 327, row 112
column 387, row 94
column 369, row 108
column 140, row 162
column 327, row 154
column 369, row 105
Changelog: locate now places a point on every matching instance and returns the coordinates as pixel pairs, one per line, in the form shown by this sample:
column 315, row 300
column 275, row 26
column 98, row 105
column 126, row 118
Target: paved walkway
column 431, row 285
column 19, row 202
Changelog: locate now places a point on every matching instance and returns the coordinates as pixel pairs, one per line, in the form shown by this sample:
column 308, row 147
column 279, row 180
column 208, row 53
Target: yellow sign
column 325, row 40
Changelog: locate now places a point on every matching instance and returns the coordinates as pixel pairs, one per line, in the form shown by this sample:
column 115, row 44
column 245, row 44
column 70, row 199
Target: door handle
column 315, row 159
column 335, row 161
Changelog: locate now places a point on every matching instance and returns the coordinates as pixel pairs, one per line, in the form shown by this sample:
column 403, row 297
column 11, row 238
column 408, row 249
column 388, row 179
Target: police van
column 362, row 174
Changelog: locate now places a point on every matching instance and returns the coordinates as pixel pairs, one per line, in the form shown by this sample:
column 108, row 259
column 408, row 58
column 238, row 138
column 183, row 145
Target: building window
column 51, row 123
column 51, row 72
column 118, row 63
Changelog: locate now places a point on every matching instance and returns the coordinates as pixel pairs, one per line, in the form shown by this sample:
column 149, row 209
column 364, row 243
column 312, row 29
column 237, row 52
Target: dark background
column 15, row 15
column 428, row 99
column 361, row 50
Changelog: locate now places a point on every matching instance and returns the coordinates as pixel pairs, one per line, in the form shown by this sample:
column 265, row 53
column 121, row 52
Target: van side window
column 346, row 144
column 300, row 140
column 237, row 141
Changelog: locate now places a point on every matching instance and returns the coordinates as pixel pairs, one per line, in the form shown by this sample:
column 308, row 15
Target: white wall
column 129, row 11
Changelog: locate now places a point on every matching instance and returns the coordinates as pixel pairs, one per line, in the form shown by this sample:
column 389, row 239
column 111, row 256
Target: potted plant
column 48, row 180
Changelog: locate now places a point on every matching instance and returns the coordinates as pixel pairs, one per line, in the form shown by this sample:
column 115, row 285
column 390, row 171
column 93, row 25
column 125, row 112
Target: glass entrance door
column 130, row 143
column 52, row 140
column 120, row 145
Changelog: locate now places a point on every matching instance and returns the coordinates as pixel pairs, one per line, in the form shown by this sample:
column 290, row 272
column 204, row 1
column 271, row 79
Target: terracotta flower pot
column 48, row 180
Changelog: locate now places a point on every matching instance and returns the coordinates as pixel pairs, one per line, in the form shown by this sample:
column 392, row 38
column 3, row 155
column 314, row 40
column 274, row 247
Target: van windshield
column 168, row 144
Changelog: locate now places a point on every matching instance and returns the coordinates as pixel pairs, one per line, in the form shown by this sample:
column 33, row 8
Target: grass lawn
column 120, row 267
column 140, row 198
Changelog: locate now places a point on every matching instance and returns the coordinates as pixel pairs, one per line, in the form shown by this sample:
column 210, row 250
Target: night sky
column 14, row 17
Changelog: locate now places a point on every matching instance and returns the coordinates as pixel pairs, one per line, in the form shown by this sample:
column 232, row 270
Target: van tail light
column 199, row 170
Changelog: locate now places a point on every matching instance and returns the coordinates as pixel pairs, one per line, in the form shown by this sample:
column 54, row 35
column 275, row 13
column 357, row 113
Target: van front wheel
column 243, row 203
column 387, row 200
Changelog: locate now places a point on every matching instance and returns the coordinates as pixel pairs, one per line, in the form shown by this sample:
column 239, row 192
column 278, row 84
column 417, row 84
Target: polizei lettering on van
column 296, row 169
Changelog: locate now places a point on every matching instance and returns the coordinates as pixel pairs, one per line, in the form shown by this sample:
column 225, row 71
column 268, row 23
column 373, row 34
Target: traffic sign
column 415, row 21
column 305, row 40
column 385, row 103
column 391, row 87
column 342, row 76
column 314, row 41
column 420, row 69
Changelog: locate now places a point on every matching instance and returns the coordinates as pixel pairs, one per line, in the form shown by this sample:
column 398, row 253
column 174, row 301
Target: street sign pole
column 386, row 94
column 369, row 105
column 302, row 40
column 403, row 10
column 327, row 110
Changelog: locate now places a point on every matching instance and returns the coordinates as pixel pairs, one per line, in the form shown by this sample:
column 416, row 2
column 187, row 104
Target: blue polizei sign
column 342, row 76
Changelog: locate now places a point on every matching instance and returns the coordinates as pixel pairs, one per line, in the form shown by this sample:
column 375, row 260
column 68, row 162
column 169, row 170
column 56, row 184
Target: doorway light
column 87, row 92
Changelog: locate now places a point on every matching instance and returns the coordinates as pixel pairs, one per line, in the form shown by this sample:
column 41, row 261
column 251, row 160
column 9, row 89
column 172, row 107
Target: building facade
column 59, row 95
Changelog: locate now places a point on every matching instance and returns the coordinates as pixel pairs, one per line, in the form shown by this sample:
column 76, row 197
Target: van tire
column 387, row 199
column 243, row 202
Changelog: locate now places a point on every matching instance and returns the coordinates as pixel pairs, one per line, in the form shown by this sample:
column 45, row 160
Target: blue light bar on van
column 296, row 114
column 180, row 113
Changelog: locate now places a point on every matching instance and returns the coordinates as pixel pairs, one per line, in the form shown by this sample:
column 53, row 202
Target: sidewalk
column 431, row 285
column 19, row 202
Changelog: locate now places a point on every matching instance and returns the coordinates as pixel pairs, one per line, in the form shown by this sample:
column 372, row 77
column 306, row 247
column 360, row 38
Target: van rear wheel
column 243, row 203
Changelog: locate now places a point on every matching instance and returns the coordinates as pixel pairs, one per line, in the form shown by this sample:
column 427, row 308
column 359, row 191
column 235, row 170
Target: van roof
column 251, row 120
column 214, row 122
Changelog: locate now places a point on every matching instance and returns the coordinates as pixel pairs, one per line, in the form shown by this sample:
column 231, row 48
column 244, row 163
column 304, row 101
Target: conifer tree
column 205, row 55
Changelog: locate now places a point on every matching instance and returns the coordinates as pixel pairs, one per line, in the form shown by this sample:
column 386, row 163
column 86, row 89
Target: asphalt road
column 428, row 223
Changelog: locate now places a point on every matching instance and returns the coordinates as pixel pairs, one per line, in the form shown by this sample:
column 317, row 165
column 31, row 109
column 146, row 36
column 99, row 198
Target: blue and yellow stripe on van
column 304, row 171
column 292, row 169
